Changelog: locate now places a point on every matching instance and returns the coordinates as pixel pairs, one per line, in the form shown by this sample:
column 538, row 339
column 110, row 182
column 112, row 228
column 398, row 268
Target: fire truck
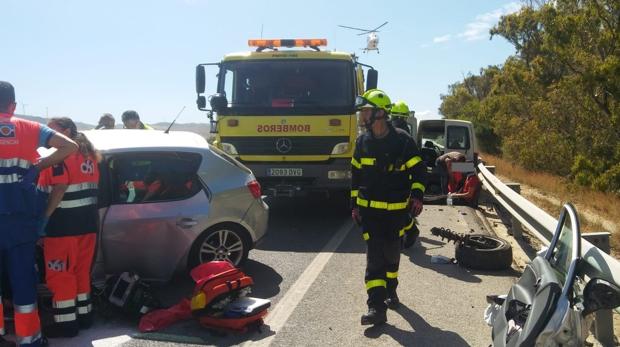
column 286, row 111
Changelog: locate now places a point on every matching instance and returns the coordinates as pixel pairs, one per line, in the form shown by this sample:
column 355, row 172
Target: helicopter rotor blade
column 344, row 26
column 377, row 28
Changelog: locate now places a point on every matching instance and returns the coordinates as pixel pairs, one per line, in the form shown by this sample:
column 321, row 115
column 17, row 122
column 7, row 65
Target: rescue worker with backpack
column 398, row 116
column 388, row 183
column 71, row 232
column 21, row 207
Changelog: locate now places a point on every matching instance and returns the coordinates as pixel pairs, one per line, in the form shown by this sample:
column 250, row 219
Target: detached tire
column 484, row 252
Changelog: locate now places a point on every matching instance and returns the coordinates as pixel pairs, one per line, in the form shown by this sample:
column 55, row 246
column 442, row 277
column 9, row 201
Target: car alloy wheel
column 222, row 244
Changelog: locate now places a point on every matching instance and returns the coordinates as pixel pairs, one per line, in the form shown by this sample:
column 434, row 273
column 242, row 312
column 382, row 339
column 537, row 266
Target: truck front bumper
column 301, row 178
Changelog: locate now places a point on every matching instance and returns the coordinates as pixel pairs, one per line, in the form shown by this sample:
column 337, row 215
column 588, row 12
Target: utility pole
column 24, row 108
column 46, row 113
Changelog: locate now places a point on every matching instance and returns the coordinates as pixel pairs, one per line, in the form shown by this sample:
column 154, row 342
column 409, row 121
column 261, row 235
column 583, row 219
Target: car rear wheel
column 222, row 242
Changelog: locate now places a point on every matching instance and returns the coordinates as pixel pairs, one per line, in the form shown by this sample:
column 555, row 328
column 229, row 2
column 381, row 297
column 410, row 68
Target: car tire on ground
column 225, row 241
column 484, row 252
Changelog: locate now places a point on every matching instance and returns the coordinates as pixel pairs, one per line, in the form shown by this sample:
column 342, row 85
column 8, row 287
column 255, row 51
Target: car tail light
column 254, row 188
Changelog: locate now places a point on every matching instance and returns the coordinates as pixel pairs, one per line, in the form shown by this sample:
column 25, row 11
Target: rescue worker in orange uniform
column 70, row 235
column 387, row 189
column 21, row 207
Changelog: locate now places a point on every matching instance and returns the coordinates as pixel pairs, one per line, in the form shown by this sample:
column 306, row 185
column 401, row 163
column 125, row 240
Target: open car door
column 538, row 304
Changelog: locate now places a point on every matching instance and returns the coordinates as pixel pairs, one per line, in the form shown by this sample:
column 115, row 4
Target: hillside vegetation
column 554, row 105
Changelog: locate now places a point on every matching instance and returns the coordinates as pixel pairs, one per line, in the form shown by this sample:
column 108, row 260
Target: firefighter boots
column 374, row 317
column 392, row 302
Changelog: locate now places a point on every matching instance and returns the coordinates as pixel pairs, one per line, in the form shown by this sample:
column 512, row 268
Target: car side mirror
column 218, row 102
column 599, row 295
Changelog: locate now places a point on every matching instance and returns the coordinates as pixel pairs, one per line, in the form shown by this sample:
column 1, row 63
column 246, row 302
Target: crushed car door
column 158, row 204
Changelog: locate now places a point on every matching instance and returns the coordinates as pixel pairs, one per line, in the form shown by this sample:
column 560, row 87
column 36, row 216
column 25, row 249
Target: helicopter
column 372, row 41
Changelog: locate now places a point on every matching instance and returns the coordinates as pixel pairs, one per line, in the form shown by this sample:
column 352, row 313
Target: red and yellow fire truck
column 288, row 114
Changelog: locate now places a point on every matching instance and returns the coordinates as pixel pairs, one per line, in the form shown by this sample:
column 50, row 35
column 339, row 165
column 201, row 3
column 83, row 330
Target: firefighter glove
column 416, row 207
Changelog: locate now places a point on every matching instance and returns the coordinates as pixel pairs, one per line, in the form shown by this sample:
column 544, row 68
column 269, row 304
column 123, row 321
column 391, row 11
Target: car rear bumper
column 257, row 219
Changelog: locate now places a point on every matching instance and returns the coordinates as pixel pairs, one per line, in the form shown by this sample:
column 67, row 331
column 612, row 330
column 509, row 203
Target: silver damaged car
column 169, row 201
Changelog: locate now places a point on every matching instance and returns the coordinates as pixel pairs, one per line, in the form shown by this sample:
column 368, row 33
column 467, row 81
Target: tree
column 553, row 106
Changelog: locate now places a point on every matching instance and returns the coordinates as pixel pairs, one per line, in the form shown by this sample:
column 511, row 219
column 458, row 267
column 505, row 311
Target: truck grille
column 284, row 145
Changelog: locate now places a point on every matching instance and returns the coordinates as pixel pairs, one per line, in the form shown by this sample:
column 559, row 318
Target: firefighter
column 21, row 207
column 399, row 114
column 131, row 120
column 70, row 235
column 388, row 179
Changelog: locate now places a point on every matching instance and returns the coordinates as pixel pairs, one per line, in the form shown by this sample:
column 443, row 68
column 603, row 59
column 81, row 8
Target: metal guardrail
column 596, row 264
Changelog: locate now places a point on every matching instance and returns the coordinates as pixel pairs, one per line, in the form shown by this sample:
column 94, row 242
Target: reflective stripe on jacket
column 386, row 172
column 77, row 213
column 19, row 140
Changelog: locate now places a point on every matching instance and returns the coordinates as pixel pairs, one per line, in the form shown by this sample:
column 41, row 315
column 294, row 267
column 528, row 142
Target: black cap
column 7, row 95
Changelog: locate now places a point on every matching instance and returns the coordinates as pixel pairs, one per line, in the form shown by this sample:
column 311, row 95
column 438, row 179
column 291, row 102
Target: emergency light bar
column 287, row 43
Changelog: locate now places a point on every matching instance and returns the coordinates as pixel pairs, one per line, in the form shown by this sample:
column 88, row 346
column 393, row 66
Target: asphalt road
column 311, row 267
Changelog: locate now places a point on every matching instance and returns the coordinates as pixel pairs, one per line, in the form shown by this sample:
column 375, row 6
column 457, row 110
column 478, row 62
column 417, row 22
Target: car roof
column 113, row 139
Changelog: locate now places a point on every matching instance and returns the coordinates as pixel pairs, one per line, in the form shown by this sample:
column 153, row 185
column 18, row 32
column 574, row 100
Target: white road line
column 111, row 341
column 285, row 307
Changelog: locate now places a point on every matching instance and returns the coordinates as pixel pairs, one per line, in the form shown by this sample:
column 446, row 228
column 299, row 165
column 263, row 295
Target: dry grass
column 605, row 205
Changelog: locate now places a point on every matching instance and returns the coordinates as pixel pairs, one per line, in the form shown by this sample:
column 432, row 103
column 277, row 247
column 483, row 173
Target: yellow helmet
column 400, row 109
column 374, row 98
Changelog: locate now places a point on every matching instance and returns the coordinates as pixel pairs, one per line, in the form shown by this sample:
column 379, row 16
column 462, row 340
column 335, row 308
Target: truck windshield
column 299, row 87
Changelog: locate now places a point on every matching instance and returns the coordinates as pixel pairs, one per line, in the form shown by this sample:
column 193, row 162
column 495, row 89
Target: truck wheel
column 484, row 252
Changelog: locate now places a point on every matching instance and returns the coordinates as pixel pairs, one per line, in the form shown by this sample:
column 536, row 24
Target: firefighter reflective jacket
column 386, row 172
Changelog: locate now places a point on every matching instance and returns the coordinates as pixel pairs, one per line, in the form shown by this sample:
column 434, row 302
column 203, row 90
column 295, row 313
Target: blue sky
column 83, row 58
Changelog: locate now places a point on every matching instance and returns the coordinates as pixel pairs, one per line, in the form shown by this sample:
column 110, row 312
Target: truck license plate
column 285, row 172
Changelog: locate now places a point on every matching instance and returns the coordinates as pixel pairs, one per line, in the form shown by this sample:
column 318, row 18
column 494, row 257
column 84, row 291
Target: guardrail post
column 603, row 319
column 516, row 230
column 491, row 168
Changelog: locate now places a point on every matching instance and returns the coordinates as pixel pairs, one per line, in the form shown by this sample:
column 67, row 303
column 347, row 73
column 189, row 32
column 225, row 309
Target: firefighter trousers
column 382, row 258
column 68, row 262
column 20, row 264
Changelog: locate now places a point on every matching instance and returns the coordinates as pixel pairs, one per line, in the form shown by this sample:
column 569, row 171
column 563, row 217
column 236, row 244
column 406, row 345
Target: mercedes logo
column 284, row 145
